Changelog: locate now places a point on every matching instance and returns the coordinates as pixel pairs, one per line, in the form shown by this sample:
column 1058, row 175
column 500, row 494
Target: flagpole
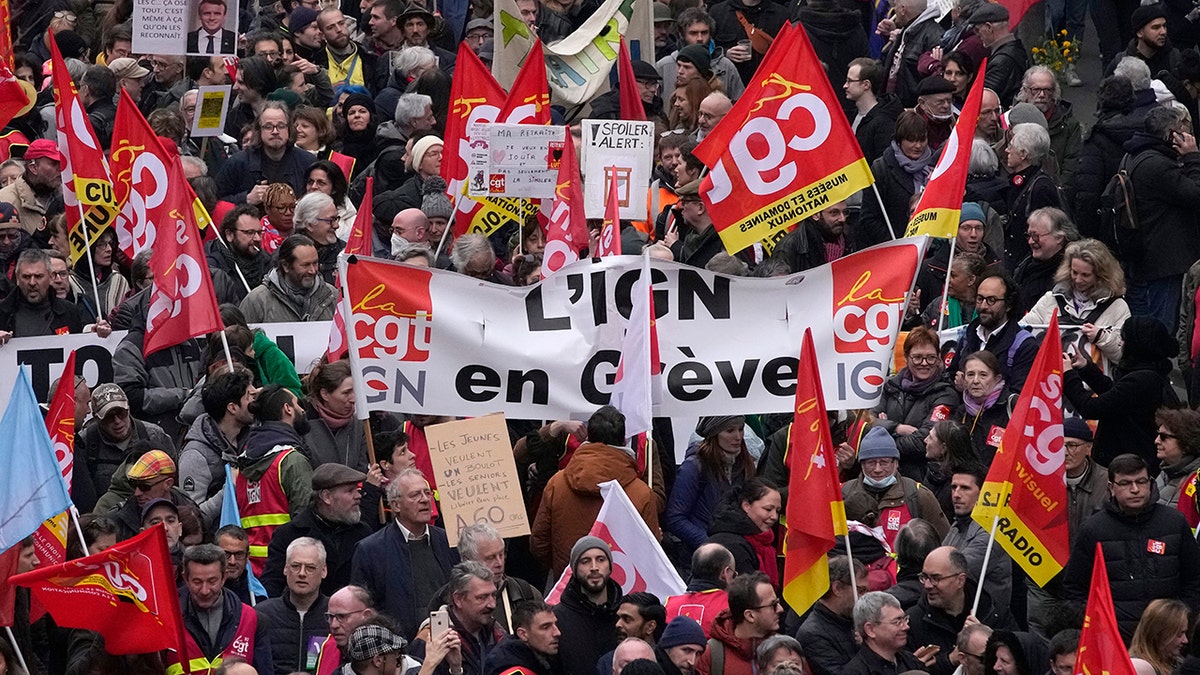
column 883, row 210
column 649, row 460
column 850, row 561
column 371, row 453
column 446, row 233
column 946, row 286
column 74, row 518
column 225, row 345
column 987, row 555
column 12, row 640
column 87, row 247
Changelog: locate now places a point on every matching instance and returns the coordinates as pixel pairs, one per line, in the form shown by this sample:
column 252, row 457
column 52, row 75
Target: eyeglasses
column 901, row 620
column 987, row 300
column 328, row 221
column 251, row 233
column 237, row 555
column 773, row 603
column 1164, row 436
column 283, row 207
column 1035, row 236
column 1075, row 445
column 923, row 358
column 146, row 485
column 61, row 274
column 69, row 16
column 274, row 127
column 974, row 656
column 1044, row 91
column 709, row 116
column 342, row 616
column 1126, row 484
column 934, row 579
column 850, row 81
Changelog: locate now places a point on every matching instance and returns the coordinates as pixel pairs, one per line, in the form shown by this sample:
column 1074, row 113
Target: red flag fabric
column 631, row 98
column 1101, row 649
column 1026, row 484
column 50, row 540
column 1016, row 10
column 941, row 203
column 529, row 99
column 567, row 233
column 610, row 231
column 6, row 43
column 87, row 185
column 126, row 593
column 139, row 169
column 815, row 512
column 182, row 303
column 8, row 591
column 12, row 97
column 358, row 243
column 784, row 151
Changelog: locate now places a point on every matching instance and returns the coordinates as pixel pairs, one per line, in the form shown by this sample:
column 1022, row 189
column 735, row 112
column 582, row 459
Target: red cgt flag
column 815, row 512
column 567, row 232
column 785, row 150
column 359, row 243
column 183, row 304
column 139, row 168
column 50, row 540
column 529, row 99
column 125, row 593
column 631, row 98
column 1101, row 649
column 941, row 203
column 610, row 231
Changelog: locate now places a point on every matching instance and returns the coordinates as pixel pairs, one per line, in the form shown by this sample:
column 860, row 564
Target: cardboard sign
column 513, row 160
column 477, row 476
column 212, row 105
column 629, row 147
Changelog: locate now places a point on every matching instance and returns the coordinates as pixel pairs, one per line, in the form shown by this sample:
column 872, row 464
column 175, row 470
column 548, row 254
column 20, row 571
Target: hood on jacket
column 205, row 431
column 263, row 442
column 731, row 518
column 722, row 629
column 1029, row 651
column 1141, row 141
column 594, row 463
column 1063, row 114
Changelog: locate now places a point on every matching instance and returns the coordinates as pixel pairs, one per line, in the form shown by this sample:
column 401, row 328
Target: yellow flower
column 1062, row 32
column 1067, row 45
column 1070, row 60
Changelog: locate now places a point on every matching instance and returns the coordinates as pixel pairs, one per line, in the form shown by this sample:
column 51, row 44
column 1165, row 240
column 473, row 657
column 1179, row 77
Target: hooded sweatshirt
column 263, row 443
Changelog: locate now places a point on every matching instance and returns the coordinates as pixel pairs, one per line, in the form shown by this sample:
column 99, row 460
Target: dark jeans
column 1112, row 26
column 1158, row 298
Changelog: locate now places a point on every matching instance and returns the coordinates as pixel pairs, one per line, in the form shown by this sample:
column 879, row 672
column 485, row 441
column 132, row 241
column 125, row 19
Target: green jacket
column 274, row 367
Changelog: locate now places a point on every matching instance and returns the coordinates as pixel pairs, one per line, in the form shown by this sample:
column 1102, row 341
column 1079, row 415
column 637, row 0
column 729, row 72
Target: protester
column 1161, row 637
column 720, row 463
column 713, row 567
column 217, row 624
column 532, row 647
column 897, row 498
column 986, row 404
column 587, row 612
column 296, row 618
column 828, row 632
column 744, row 524
column 915, row 399
column 753, row 615
column 884, row 630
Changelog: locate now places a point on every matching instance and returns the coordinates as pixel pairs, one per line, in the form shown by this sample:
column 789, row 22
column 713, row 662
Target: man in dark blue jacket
column 295, row 622
column 271, row 158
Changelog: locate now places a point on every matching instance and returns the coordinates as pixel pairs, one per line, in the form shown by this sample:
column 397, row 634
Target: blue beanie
column 683, row 630
column 877, row 444
column 971, row 211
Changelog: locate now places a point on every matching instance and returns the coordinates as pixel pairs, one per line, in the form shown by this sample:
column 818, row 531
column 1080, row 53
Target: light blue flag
column 31, row 487
column 231, row 516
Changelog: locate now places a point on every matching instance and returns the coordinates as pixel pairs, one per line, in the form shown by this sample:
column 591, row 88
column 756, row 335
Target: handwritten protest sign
column 477, row 476
column 514, row 160
column 629, row 148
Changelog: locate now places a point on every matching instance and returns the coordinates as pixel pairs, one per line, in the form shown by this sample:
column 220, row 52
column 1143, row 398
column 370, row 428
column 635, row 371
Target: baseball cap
column 152, row 464
column 479, row 23
column 127, row 67
column 332, row 475
column 44, row 147
column 161, row 501
column 370, row 641
column 108, row 397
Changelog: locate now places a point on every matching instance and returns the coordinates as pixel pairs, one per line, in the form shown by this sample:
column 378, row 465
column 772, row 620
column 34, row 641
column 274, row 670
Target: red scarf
column 763, row 544
column 332, row 420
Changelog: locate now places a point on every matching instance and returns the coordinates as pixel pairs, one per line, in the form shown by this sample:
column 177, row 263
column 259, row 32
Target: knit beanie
column 682, row 630
column 709, row 426
column 585, row 544
column 422, row 146
column 971, row 211
column 1144, row 14
column 698, row 56
column 435, row 203
column 877, row 444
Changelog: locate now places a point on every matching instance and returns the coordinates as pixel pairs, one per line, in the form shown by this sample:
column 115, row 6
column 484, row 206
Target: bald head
column 713, row 109
column 411, row 224
column 631, row 649
column 944, row 578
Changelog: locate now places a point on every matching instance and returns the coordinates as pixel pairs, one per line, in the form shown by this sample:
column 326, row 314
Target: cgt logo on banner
column 434, row 342
column 784, row 152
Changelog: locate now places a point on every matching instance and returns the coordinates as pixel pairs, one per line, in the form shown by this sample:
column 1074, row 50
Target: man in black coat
column 333, row 518
column 875, row 110
column 96, row 91
column 810, row 245
column 699, row 241
column 33, row 309
column 273, row 158
column 995, row 329
column 828, row 632
column 532, row 649
column 1007, row 58
column 1148, row 548
column 240, row 256
column 295, row 622
column 587, row 612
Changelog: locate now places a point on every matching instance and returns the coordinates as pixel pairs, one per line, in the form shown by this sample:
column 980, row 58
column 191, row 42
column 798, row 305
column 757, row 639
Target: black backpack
column 1118, row 212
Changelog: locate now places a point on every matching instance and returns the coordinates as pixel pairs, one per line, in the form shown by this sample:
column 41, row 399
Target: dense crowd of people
column 357, row 573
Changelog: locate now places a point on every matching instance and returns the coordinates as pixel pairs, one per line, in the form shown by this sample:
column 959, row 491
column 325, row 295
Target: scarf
column 332, row 419
column 976, row 406
column 763, row 544
column 911, row 385
column 918, row 168
column 297, row 296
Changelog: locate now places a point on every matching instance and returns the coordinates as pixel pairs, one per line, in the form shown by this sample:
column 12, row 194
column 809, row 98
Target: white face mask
column 882, row 483
column 398, row 244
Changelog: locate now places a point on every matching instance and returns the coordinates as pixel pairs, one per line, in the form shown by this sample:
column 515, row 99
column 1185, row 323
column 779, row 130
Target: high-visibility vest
column 702, row 606
column 263, row 506
column 241, row 645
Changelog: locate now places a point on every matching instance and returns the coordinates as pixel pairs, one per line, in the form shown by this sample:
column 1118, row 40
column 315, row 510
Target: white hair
column 309, row 208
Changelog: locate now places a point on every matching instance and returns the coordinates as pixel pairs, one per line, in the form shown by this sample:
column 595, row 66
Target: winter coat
column 263, row 442
column 106, row 462
column 908, row 589
column 512, row 652
column 697, row 248
column 693, row 501
column 722, row 68
column 231, row 614
column 571, row 500
column 1149, row 555
column 157, row 385
column 971, row 540
column 588, row 629
column 878, row 127
column 804, row 247
column 112, row 289
column 739, row 652
column 768, row 17
column 837, row 37
column 1028, row 190
column 128, row 516
column 202, row 462
column 1172, row 477
column 917, row 38
column 339, row 540
column 1006, row 68
column 1123, row 408
column 1061, row 298
column 347, row 445
column 1066, row 140
column 406, row 196
column 999, row 344
column 1099, row 158
column 896, row 190
column 828, row 640
column 731, row 528
column 867, row 662
column 933, row 626
column 987, row 427
column 1166, row 189
column 1086, row 497
column 893, row 496
column 221, row 257
column 473, row 646
column 1035, row 278
column 248, row 168
column 382, row 564
column 918, row 406
column 269, row 303
column 1167, row 58
column 288, row 633
column 61, row 316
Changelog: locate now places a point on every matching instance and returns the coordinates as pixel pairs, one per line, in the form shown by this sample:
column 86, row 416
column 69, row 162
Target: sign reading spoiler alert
column 435, row 342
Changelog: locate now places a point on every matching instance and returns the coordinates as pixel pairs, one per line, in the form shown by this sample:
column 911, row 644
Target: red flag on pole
column 125, row 593
column 50, row 540
column 359, row 243
column 784, row 152
column 1026, row 484
column 610, row 231
column 815, row 512
column 183, row 304
column 8, row 591
column 12, row 96
column 941, row 203
column 139, row 169
column 1101, row 649
column 631, row 98
column 567, row 233
column 529, row 99
column 87, row 185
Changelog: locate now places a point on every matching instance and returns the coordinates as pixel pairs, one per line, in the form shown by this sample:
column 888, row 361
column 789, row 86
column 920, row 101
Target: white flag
column 633, row 388
column 638, row 561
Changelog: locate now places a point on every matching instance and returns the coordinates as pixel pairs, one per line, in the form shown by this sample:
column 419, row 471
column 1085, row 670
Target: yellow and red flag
column 1026, row 486
column 1101, row 649
column 359, row 243
column 87, row 185
column 815, row 512
column 941, row 203
column 785, row 150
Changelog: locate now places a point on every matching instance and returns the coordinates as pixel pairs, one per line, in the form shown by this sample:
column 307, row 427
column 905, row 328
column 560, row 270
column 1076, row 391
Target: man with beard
column 1041, row 88
column 241, row 255
column 273, row 158
column 995, row 329
column 681, row 645
column 295, row 620
column 294, row 290
column 334, row 518
column 532, row 649
column 472, row 608
column 348, row 63
column 820, row 239
column 587, row 612
column 274, row 484
column 41, row 185
column 753, row 616
column 213, row 439
column 111, row 442
column 403, row 567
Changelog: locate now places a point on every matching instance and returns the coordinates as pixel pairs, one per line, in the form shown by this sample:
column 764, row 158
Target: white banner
column 626, row 145
column 303, row 343
column 435, row 342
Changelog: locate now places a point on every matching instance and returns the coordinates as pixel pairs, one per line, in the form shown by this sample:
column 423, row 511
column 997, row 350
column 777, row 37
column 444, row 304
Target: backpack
column 1118, row 212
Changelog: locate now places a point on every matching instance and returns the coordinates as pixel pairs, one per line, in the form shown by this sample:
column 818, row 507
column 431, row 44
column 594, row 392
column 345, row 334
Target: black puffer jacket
column 986, row 428
column 729, row 528
column 918, row 406
column 288, row 634
column 933, row 626
column 837, row 36
column 1136, row 574
column 1099, row 159
column 1166, row 189
column 1123, row 408
column 588, row 629
column 511, row 652
column 828, row 640
column 878, row 127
